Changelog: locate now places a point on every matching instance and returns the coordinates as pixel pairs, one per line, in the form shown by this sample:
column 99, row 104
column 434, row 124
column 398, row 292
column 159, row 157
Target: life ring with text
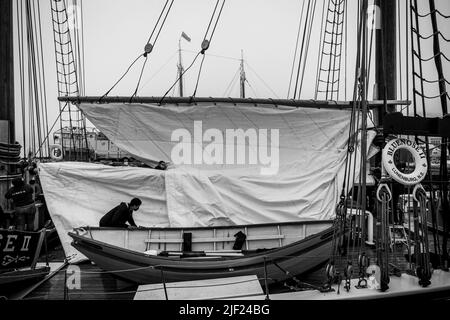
column 56, row 152
column 420, row 161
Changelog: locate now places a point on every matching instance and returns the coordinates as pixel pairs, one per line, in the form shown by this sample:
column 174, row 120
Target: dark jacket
column 117, row 217
column 21, row 196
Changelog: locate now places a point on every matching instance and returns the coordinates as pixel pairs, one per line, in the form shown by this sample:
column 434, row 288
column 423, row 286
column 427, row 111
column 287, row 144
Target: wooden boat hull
column 274, row 265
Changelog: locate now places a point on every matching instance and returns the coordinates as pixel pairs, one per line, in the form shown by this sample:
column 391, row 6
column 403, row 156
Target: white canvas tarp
column 306, row 185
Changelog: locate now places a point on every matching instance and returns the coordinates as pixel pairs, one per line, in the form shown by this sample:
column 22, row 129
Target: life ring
column 420, row 161
column 56, row 152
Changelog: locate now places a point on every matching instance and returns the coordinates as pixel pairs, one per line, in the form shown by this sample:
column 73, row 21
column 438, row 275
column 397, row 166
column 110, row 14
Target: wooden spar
column 7, row 67
column 386, row 59
column 321, row 104
column 180, row 69
column 242, row 77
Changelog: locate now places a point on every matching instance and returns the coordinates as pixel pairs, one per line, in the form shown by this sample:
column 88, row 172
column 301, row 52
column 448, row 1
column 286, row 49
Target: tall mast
column 180, row 63
column 242, row 81
column 7, row 125
column 386, row 64
column 7, row 132
column 180, row 69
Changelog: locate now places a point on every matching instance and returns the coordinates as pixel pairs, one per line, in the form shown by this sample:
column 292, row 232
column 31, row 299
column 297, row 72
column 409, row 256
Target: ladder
column 72, row 121
column 398, row 235
column 328, row 80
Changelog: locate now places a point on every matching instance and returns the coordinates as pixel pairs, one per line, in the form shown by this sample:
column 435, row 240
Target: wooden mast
column 7, row 128
column 242, row 76
column 386, row 57
column 180, row 69
column 7, row 132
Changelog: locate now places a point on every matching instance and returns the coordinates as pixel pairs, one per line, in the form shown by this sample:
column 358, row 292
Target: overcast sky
column 115, row 32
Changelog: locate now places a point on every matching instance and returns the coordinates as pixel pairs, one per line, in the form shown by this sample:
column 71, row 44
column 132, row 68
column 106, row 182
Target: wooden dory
column 272, row 251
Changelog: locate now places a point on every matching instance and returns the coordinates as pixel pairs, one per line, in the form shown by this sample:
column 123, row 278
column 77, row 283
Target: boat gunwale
column 237, row 226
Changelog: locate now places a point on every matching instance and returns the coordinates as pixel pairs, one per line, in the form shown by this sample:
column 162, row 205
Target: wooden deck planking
column 94, row 284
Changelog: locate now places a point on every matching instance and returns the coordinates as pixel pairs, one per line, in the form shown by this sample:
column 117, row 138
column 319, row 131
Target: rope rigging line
column 443, row 171
column 312, row 14
column 213, row 55
column 442, row 81
column 413, row 8
column 419, row 48
column 159, row 70
column 340, row 242
column 140, row 78
column 70, row 75
column 43, row 72
column 407, row 10
column 157, row 22
column 209, row 25
column 208, row 43
column 204, row 46
column 432, row 35
column 372, row 33
column 321, row 46
column 232, row 83
column 399, row 41
column 123, row 75
column 431, row 81
column 49, row 131
column 147, row 50
column 331, row 50
column 32, row 71
column 149, row 47
column 439, row 54
column 432, row 97
column 198, row 76
column 21, row 69
column 359, row 124
column 251, row 87
column 300, row 60
column 261, row 79
column 32, row 92
column 296, row 48
column 336, row 24
column 178, row 78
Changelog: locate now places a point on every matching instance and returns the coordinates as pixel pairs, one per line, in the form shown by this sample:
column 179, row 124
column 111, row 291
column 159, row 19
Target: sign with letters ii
column 19, row 249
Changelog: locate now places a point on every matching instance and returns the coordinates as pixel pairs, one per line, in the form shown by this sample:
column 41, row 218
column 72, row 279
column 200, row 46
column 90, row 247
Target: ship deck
column 96, row 284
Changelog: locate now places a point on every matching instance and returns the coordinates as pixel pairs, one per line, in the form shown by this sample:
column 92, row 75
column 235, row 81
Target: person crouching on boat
column 25, row 209
column 117, row 216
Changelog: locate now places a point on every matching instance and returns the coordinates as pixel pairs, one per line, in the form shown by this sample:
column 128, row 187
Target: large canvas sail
column 152, row 132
